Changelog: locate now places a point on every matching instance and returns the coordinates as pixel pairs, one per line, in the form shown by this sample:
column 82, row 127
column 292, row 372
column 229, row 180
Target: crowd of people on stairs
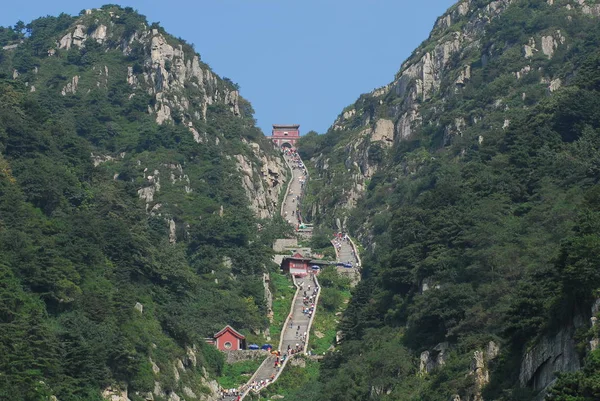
column 299, row 173
column 295, row 335
column 339, row 241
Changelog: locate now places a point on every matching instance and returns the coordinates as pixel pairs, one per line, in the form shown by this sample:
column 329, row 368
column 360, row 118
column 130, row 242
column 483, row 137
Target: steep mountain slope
column 132, row 183
column 472, row 180
column 474, row 72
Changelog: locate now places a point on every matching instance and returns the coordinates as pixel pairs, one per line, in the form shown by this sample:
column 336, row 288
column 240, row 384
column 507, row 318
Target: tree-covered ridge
column 124, row 243
column 482, row 225
column 483, row 62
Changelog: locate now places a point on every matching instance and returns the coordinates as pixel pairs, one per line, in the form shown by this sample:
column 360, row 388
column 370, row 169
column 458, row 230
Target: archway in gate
column 285, row 135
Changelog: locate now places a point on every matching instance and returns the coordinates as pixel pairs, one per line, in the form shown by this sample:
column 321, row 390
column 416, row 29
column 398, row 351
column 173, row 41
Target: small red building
column 285, row 135
column 296, row 265
column 229, row 339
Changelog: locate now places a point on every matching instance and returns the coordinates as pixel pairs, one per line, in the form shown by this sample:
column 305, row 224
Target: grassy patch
column 238, row 373
column 326, row 324
column 283, row 294
column 328, row 252
column 334, row 298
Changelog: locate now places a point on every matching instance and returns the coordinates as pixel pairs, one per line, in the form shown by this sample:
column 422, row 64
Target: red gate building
column 229, row 339
column 285, row 135
column 296, row 265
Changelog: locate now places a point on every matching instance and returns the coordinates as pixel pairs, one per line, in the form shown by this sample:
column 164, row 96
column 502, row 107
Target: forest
column 487, row 235
column 93, row 291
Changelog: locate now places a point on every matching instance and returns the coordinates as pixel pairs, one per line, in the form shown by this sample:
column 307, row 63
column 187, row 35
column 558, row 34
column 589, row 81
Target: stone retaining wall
column 244, row 355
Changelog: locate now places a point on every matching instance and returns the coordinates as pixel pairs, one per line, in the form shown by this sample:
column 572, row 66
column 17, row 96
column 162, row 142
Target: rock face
column 262, row 175
column 383, row 131
column 172, row 231
column 555, row 353
column 445, row 65
column 378, row 123
column 99, row 33
column 171, row 69
column 595, row 341
column 551, row 42
column 202, row 388
column 115, row 394
column 433, row 359
column 268, row 295
column 71, row 87
column 480, row 372
column 168, row 70
column 183, row 88
column 262, row 181
column 421, row 75
column 481, row 375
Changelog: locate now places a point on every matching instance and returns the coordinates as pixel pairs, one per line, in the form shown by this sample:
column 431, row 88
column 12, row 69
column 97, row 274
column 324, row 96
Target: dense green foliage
column 492, row 234
column 579, row 386
column 238, row 373
column 283, row 291
column 79, row 249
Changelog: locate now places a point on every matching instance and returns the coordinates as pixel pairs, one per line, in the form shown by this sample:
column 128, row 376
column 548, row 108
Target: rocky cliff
column 455, row 179
column 140, row 195
column 178, row 88
column 449, row 64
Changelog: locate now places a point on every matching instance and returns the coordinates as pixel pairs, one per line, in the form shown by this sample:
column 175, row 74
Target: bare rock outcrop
column 113, row 393
column 268, row 295
column 529, row 49
column 554, row 85
column 595, row 341
column 589, row 7
column 99, row 33
column 172, row 231
column 183, row 88
column 418, row 81
column 551, row 42
column 383, row 132
column 66, row 41
column 147, row 193
column 433, row 359
column 71, row 87
column 481, row 375
column 172, row 69
column 479, row 371
column 168, row 73
column 262, row 180
column 553, row 353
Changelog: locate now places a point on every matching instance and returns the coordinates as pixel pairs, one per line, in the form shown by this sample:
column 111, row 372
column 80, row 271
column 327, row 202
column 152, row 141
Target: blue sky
column 296, row 61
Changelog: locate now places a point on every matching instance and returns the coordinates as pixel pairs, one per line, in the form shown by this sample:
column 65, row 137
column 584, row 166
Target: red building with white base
column 296, row 265
column 285, row 135
column 229, row 339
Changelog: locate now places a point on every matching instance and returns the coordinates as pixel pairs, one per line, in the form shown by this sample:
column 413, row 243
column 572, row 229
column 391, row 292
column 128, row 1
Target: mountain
column 137, row 199
column 472, row 182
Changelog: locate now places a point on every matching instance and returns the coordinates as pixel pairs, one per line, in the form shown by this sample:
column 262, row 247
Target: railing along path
column 295, row 333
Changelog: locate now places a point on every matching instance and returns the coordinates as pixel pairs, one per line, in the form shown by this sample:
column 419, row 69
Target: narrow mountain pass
column 289, row 208
column 348, row 259
column 296, row 330
column 293, row 337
